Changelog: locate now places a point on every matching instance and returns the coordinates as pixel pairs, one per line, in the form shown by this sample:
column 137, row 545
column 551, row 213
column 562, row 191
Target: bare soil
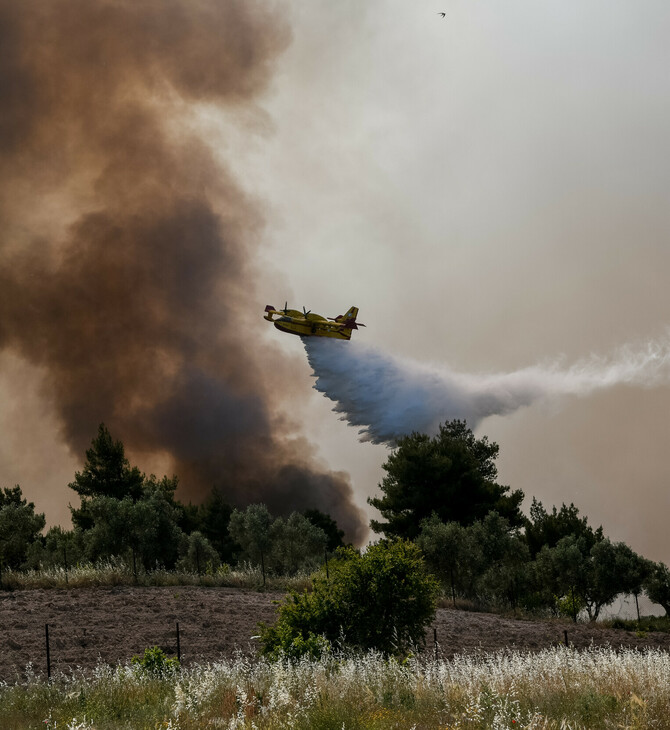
column 111, row 624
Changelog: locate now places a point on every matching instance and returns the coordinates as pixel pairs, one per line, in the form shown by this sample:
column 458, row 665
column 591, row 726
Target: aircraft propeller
column 306, row 312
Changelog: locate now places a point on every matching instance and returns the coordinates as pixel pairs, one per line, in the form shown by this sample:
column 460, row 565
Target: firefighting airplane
column 306, row 324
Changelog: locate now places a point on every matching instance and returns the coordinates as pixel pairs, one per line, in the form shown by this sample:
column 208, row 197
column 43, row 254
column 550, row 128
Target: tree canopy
column 547, row 528
column 277, row 544
column 452, row 475
column 106, row 473
column 657, row 585
column 380, row 600
column 334, row 535
column 19, row 527
column 440, row 492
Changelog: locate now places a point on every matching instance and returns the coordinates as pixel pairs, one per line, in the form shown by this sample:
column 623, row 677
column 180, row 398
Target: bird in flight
column 442, row 14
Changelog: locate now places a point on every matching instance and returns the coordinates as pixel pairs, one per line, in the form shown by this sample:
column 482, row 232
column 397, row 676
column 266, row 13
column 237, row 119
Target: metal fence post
column 46, row 633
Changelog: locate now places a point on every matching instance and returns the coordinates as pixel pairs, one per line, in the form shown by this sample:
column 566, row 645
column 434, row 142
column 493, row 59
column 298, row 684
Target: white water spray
column 388, row 397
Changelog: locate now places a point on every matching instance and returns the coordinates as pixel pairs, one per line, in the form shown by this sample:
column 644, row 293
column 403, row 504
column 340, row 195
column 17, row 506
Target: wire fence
column 80, row 641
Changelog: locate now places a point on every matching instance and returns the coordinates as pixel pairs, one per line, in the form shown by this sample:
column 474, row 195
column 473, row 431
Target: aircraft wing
column 270, row 310
column 292, row 314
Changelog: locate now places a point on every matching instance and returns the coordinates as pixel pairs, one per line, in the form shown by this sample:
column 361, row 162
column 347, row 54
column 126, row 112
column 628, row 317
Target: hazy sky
column 490, row 189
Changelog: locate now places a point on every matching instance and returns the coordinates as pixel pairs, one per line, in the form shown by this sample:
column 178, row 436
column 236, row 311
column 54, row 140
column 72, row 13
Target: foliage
column 20, row 526
column 489, row 563
column 589, row 576
column 505, row 559
column 153, row 531
column 631, row 570
column 279, row 545
column 486, row 562
column 334, row 535
column 211, row 518
column 554, row 688
column 545, row 528
column 614, row 569
column 576, row 567
column 59, row 547
column 197, row 553
column 110, row 519
column 165, row 487
column 440, row 491
column 452, row 474
column 561, row 571
column 145, row 529
column 107, row 472
column 447, row 552
column 380, row 600
column 250, row 528
column 569, row 606
column 657, row 585
column 296, row 542
column 154, row 662
column 118, row 572
column 645, row 623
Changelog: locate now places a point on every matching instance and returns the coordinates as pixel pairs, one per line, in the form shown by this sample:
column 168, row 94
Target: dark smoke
column 126, row 257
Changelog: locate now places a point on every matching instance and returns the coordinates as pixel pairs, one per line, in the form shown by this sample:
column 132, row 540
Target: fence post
column 178, row 645
column 565, row 633
column 46, row 633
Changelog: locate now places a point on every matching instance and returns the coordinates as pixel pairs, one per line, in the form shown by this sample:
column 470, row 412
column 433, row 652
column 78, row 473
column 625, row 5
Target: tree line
column 439, row 493
column 442, row 492
column 126, row 514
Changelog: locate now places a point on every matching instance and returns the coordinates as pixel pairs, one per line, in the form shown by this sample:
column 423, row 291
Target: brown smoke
column 126, row 257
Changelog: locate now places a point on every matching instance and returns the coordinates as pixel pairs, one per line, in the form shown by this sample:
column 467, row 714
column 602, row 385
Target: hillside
column 113, row 623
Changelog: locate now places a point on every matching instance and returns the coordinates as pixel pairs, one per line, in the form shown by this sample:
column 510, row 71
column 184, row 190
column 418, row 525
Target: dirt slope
column 111, row 624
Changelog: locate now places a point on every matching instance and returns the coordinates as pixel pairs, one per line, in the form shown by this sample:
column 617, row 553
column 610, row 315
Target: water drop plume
column 387, row 396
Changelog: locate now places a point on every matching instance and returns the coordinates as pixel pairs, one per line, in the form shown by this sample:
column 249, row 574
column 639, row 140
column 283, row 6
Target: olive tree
column 382, row 599
column 657, row 585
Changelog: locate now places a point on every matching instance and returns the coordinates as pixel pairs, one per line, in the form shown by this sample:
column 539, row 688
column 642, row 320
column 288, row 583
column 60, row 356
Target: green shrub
column 646, row 624
column 569, row 606
column 154, row 662
column 380, row 600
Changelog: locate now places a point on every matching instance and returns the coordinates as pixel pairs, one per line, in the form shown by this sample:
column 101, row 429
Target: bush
column 381, row 600
column 645, row 624
column 154, row 662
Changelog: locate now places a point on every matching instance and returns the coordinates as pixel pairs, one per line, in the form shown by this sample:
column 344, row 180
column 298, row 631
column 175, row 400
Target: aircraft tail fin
column 349, row 319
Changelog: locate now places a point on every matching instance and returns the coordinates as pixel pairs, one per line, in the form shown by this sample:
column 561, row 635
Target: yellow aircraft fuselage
column 306, row 324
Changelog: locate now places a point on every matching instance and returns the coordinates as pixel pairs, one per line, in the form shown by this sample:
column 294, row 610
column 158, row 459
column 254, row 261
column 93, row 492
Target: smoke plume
column 126, row 258
column 388, row 397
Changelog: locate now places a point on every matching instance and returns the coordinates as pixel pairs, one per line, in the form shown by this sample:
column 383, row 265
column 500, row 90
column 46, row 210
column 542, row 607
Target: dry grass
column 555, row 689
column 117, row 573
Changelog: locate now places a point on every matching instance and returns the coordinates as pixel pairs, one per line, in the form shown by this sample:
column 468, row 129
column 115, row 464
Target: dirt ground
column 87, row 625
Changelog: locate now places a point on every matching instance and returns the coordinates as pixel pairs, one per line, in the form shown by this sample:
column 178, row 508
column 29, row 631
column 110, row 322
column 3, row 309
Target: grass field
column 556, row 688
column 116, row 572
